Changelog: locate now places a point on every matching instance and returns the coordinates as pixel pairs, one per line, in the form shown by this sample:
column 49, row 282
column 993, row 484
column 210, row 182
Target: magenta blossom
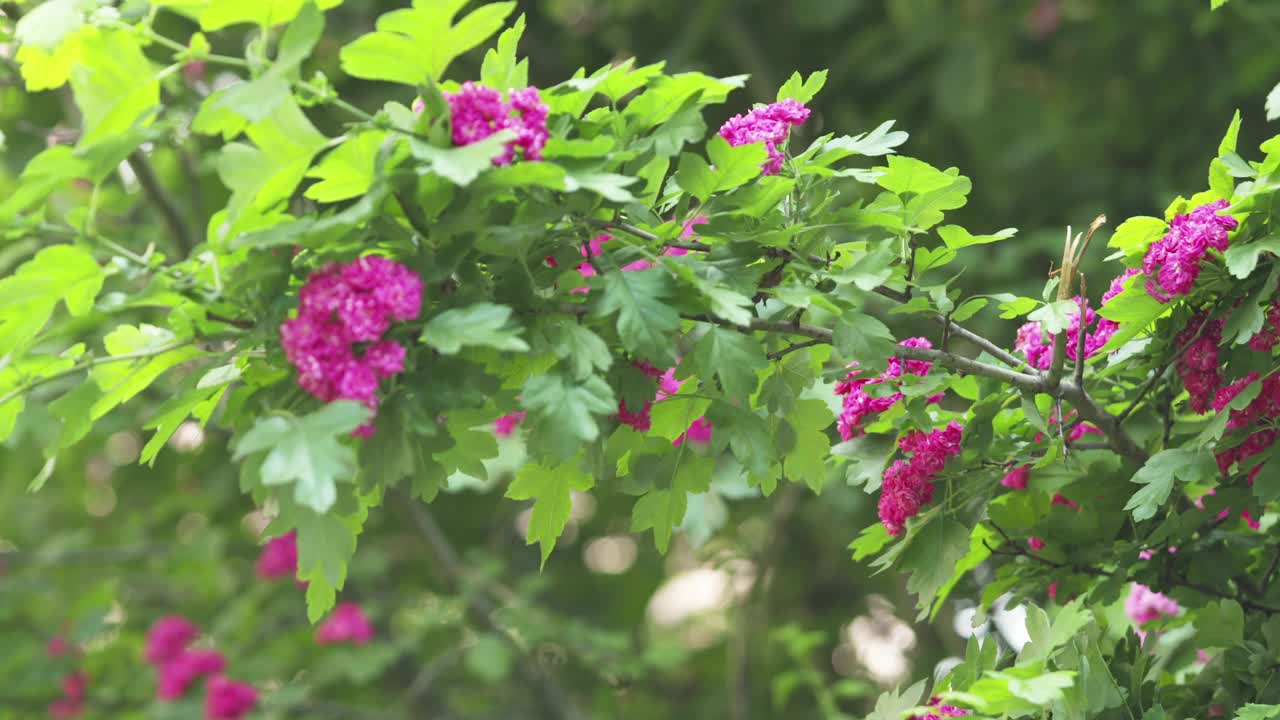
column 1145, row 605
column 478, row 111
column 178, row 674
column 227, row 699
column 1172, row 263
column 769, row 125
column 506, row 425
column 940, row 710
column 858, row 403
column 279, row 557
column 1016, row 479
column 908, row 484
column 168, row 637
column 347, row 623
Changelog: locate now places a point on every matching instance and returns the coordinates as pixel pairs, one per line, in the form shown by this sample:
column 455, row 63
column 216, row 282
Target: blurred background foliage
column 1059, row 110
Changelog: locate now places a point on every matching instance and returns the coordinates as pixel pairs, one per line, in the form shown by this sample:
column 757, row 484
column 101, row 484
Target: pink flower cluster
column 347, row 623
column 1016, row 479
column 770, row 125
column 1037, row 346
column 279, row 558
column 698, row 432
column 1145, row 605
column 940, row 710
column 858, row 404
column 478, row 111
column 71, row 704
column 168, row 649
column 1172, row 263
column 908, row 484
column 505, row 425
column 1265, row 406
column 335, row 341
column 1198, row 366
column 1269, row 336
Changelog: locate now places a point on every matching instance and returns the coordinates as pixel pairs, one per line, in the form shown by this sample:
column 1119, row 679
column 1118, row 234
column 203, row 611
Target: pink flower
column 178, row 674
column 1053, row 591
column 1060, row 499
column 908, row 484
column 279, row 557
column 347, row 623
column 770, row 125
column 858, row 404
column 1016, row 479
column 939, row 711
column 228, row 700
column 699, row 433
column 65, row 709
column 168, row 637
column 478, row 112
column 1035, row 543
column 1145, row 554
column 74, row 686
column 1144, row 605
column 339, row 307
column 58, row 646
column 506, row 425
column 1172, row 263
column 686, row 230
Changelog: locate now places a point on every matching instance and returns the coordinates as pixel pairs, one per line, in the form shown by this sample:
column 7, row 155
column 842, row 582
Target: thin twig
column 92, row 363
column 164, row 203
column 557, row 703
column 1080, row 339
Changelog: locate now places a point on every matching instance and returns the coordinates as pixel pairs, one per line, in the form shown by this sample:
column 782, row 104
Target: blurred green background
column 1059, row 110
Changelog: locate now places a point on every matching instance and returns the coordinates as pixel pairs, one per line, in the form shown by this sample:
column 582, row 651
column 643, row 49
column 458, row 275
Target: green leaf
column 461, row 165
column 550, row 488
column 1254, row 711
column 870, row 541
column 416, row 45
column 891, row 704
column 500, row 69
column 1243, row 259
column 957, row 237
column 266, row 13
column 932, row 555
column 807, row 461
column 114, row 85
column 482, row 324
column 733, row 357
column 307, row 451
column 58, row 273
column 876, row 143
column 200, row 401
column 585, row 350
column 1136, row 234
column 802, row 91
column 326, row 544
column 567, row 408
column 1054, row 317
column 46, row 25
column 1220, row 624
column 646, row 323
column 735, row 166
column 610, row 186
column 348, row 171
column 1273, row 103
column 863, row 338
column 1158, row 474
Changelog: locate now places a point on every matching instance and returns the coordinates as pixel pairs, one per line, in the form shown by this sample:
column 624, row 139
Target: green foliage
column 157, row 233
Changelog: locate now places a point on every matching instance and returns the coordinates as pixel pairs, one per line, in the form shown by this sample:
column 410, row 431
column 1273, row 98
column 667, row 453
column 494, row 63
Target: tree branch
column 94, row 362
column 164, row 203
column 557, row 703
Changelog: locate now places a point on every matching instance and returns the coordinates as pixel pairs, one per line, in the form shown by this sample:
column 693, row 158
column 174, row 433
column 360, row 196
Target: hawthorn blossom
column 1172, row 263
column 58, row 646
column 1036, row 544
column 1145, row 605
column 168, row 638
column 940, row 710
column 908, row 484
column 506, row 425
column 279, row 557
column 340, row 308
column 227, row 699
column 478, row 112
column 347, row 623
column 1037, row 345
column 1016, row 479
column 770, row 125
column 698, row 432
column 858, row 404
column 178, row 674
column 1198, row 367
